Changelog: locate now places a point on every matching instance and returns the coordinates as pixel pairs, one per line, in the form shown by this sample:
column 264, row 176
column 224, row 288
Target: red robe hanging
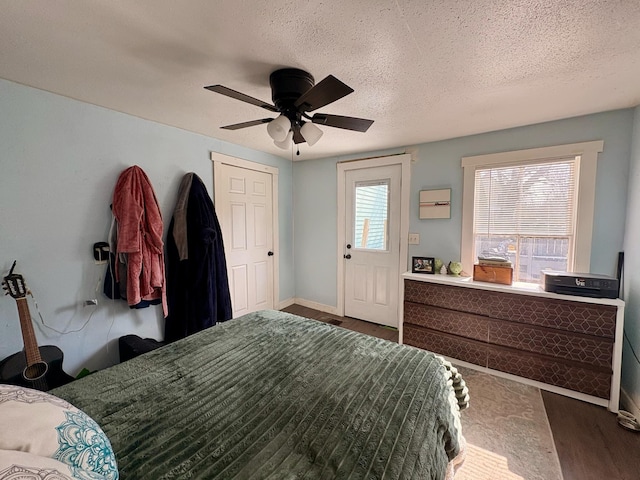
column 139, row 237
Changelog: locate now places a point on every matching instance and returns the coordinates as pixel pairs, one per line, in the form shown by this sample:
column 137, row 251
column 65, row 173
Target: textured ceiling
column 423, row 70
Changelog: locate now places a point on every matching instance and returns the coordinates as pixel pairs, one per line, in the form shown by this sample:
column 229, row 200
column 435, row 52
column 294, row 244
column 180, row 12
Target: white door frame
column 220, row 159
column 405, row 189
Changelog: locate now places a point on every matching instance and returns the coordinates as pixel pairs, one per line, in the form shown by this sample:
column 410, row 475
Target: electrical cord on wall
column 620, row 276
column 56, row 330
column 67, row 332
column 631, row 346
column 626, row 419
column 113, row 281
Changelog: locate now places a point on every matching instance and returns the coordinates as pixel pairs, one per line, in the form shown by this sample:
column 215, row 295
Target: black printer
column 581, row 284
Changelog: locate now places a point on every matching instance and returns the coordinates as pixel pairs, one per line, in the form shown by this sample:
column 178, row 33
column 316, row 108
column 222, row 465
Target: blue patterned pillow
column 41, row 424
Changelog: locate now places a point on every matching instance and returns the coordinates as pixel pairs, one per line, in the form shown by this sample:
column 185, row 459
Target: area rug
column 507, row 431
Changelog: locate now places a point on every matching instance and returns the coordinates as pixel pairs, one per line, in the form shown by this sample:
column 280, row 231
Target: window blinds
column 536, row 199
column 372, row 206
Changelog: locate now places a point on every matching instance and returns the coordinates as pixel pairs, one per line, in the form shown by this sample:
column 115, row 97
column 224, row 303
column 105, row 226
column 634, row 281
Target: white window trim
column 586, row 174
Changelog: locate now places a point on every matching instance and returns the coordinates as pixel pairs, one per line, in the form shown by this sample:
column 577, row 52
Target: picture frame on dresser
column 423, row 265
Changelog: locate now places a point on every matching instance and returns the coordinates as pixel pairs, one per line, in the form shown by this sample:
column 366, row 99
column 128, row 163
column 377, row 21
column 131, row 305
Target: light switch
column 414, row 239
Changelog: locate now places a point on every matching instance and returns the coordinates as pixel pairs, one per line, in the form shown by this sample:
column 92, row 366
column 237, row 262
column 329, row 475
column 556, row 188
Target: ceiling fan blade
column 338, row 121
column 237, row 126
column 327, row 91
column 297, row 136
column 241, row 96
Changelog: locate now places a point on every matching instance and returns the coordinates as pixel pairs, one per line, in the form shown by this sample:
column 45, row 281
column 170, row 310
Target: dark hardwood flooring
column 369, row 328
column 590, row 443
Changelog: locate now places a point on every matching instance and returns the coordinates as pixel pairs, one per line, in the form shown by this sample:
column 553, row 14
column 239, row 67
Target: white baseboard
column 316, row 306
column 285, row 303
column 627, row 403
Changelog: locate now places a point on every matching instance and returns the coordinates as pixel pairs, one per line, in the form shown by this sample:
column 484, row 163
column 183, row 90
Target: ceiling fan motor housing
column 287, row 85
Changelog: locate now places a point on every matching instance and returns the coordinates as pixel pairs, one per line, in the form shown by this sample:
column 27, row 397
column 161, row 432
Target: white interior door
column 244, row 204
column 372, row 248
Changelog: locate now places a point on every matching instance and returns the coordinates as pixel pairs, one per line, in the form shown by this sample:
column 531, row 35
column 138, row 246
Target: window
column 526, row 213
column 533, row 206
column 372, row 206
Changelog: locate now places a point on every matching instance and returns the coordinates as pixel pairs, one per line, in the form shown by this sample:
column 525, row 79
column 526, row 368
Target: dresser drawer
column 445, row 344
column 531, row 338
column 587, row 318
column 576, row 347
column 552, row 371
column 463, row 324
column 575, row 376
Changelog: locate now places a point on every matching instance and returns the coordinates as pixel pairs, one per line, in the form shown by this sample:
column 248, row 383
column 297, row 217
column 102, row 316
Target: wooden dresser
column 566, row 344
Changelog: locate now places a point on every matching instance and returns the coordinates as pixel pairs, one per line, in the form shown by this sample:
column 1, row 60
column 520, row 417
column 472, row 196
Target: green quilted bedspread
column 273, row 395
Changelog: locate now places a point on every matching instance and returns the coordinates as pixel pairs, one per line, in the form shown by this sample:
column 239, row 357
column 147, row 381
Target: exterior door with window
column 244, row 204
column 372, row 250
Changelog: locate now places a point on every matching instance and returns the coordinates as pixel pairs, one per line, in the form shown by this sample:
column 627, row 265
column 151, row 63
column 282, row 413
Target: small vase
column 437, row 263
column 455, row 268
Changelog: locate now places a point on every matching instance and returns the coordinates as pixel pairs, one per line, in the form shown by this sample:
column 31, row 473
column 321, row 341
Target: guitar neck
column 28, row 335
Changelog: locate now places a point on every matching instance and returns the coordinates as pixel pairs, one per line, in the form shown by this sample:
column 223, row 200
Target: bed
column 274, row 395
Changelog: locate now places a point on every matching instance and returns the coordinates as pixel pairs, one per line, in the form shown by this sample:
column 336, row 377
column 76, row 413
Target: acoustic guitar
column 34, row 367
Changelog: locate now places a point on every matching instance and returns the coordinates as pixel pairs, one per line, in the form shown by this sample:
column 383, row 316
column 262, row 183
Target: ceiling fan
column 294, row 93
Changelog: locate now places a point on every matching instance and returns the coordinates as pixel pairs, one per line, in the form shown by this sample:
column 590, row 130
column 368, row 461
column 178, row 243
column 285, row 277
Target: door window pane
column 371, row 215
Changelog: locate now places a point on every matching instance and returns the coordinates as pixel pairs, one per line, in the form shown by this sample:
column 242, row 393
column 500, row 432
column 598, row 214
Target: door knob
column 347, row 256
column 270, row 253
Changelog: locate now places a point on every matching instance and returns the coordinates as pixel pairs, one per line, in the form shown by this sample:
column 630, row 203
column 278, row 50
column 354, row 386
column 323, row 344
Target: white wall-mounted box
column 435, row 203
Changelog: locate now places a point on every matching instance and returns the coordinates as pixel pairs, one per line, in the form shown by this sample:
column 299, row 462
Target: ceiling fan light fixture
column 278, row 128
column 311, row 133
column 286, row 143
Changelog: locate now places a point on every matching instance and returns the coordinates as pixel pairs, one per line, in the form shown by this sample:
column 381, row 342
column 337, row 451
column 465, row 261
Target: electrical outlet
column 414, row 239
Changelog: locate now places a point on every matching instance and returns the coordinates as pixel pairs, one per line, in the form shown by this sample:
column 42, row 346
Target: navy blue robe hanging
column 197, row 284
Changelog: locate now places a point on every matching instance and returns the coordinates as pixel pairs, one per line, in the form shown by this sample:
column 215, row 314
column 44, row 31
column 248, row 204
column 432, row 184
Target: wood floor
column 590, row 443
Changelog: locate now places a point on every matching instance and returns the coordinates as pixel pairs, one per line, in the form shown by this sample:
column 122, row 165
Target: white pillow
column 41, row 424
column 23, row 465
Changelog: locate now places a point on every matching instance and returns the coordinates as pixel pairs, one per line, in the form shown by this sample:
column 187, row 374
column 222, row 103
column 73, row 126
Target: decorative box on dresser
column 566, row 344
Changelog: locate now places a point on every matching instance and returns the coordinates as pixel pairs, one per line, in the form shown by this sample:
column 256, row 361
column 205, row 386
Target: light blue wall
column 631, row 365
column 59, row 161
column 437, row 165
column 60, row 158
